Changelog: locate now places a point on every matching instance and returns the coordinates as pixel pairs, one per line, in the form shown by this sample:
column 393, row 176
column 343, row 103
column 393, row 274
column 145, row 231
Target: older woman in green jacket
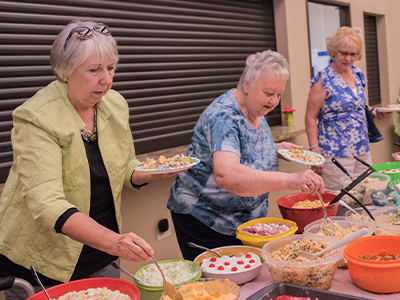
column 73, row 153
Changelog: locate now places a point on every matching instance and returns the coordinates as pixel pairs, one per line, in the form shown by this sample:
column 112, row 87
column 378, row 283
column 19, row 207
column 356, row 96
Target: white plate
column 167, row 170
column 386, row 109
column 286, row 153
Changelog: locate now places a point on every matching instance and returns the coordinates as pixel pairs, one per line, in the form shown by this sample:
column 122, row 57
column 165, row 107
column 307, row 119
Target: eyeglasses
column 344, row 54
column 85, row 33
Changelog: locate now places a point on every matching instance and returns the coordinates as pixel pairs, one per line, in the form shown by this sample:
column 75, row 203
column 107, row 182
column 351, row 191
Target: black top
column 102, row 210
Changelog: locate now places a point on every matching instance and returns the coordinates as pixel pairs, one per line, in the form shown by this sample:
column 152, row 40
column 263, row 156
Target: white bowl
column 238, row 277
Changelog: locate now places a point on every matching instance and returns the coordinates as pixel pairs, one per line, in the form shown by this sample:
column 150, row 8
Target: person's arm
column 127, row 246
column 316, row 98
column 244, row 181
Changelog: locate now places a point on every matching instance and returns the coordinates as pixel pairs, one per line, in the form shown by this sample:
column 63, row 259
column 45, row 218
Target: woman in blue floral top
column 239, row 161
column 337, row 100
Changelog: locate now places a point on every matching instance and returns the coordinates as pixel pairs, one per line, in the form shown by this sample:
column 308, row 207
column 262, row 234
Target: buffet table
column 342, row 283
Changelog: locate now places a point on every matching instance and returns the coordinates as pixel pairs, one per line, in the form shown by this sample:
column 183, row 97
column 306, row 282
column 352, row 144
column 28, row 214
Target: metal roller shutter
column 372, row 59
column 176, row 56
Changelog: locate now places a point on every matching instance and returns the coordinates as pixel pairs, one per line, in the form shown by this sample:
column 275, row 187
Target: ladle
column 39, row 282
column 118, row 267
column 341, row 243
column 204, row 248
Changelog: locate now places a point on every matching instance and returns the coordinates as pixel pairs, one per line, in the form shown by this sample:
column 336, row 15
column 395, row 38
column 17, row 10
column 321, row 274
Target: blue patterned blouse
column 342, row 124
column 223, row 127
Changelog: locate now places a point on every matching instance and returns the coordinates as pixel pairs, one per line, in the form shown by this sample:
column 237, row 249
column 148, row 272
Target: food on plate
column 95, row 293
column 307, row 245
column 176, row 272
column 286, row 297
column 390, row 171
column 221, row 289
column 266, row 229
column 231, row 263
column 178, row 160
column 304, row 156
column 308, row 204
column 381, row 256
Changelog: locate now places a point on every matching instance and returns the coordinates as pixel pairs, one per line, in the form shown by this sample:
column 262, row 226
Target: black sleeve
column 137, row 186
column 63, row 218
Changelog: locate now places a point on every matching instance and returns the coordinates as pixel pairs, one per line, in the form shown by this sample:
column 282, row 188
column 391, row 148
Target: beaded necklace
column 87, row 135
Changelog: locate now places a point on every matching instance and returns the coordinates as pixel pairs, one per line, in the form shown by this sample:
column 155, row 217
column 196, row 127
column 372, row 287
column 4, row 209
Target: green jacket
column 397, row 118
column 50, row 174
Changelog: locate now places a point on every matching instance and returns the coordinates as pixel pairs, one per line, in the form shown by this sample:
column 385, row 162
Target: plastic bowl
column 149, row 292
column 317, row 274
column 361, row 214
column 212, row 286
column 304, row 216
column 388, row 197
column 383, row 218
column 345, row 227
column 374, row 276
column 388, row 166
column 57, row 291
column 382, row 181
column 236, row 277
column 260, row 241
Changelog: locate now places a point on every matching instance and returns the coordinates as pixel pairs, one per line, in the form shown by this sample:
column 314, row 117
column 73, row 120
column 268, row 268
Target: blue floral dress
column 342, row 124
column 223, row 127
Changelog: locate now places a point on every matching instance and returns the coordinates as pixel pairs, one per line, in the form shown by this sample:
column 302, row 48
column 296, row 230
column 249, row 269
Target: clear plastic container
column 374, row 182
column 317, row 274
column 387, row 220
column 344, row 227
column 358, row 192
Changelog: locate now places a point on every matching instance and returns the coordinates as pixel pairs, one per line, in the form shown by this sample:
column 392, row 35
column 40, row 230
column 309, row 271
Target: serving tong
column 347, row 189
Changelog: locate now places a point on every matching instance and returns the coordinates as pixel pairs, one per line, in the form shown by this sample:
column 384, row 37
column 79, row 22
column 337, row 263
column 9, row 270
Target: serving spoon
column 33, row 271
column 341, row 243
column 118, row 267
column 326, row 223
column 169, row 289
column 204, row 248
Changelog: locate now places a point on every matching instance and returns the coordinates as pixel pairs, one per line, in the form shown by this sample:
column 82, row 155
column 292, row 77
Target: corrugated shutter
column 176, row 56
column 372, row 59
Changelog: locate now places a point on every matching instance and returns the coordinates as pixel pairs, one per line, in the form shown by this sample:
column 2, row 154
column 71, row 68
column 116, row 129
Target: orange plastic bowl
column 304, row 216
column 57, row 291
column 374, row 276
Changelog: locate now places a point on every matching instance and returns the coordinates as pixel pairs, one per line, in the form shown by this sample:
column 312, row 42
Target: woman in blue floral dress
column 337, row 100
column 239, row 161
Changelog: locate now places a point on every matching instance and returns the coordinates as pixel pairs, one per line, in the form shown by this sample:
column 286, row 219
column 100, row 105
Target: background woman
column 337, row 100
column 73, row 153
column 239, row 161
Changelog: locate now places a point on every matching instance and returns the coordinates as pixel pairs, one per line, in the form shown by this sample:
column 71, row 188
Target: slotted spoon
column 341, row 243
column 169, row 289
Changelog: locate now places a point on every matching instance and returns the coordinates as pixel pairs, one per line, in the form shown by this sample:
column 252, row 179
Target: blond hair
column 345, row 36
column 69, row 53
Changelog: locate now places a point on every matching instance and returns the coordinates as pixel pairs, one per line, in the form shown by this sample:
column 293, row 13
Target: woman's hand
column 379, row 115
column 307, row 181
column 131, row 247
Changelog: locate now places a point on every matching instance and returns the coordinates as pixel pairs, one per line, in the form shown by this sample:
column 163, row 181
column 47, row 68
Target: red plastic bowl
column 123, row 286
column 374, row 276
column 304, row 216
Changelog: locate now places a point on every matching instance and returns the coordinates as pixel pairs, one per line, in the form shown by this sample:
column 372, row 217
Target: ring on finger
column 305, row 187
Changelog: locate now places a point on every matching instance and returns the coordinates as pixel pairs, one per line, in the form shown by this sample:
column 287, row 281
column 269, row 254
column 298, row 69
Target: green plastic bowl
column 389, row 166
column 148, row 292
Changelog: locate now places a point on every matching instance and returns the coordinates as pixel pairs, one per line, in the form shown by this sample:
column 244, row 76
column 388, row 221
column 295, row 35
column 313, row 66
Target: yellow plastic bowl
column 260, row 241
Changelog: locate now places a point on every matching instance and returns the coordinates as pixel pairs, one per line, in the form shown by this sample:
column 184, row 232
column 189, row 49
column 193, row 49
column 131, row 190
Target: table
column 342, row 283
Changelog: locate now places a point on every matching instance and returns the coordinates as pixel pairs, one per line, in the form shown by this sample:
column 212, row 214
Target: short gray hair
column 260, row 62
column 67, row 55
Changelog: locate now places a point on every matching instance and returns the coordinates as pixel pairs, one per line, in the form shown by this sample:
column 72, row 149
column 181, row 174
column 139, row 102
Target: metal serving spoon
column 327, row 225
column 204, row 248
column 117, row 266
column 39, row 282
column 341, row 243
